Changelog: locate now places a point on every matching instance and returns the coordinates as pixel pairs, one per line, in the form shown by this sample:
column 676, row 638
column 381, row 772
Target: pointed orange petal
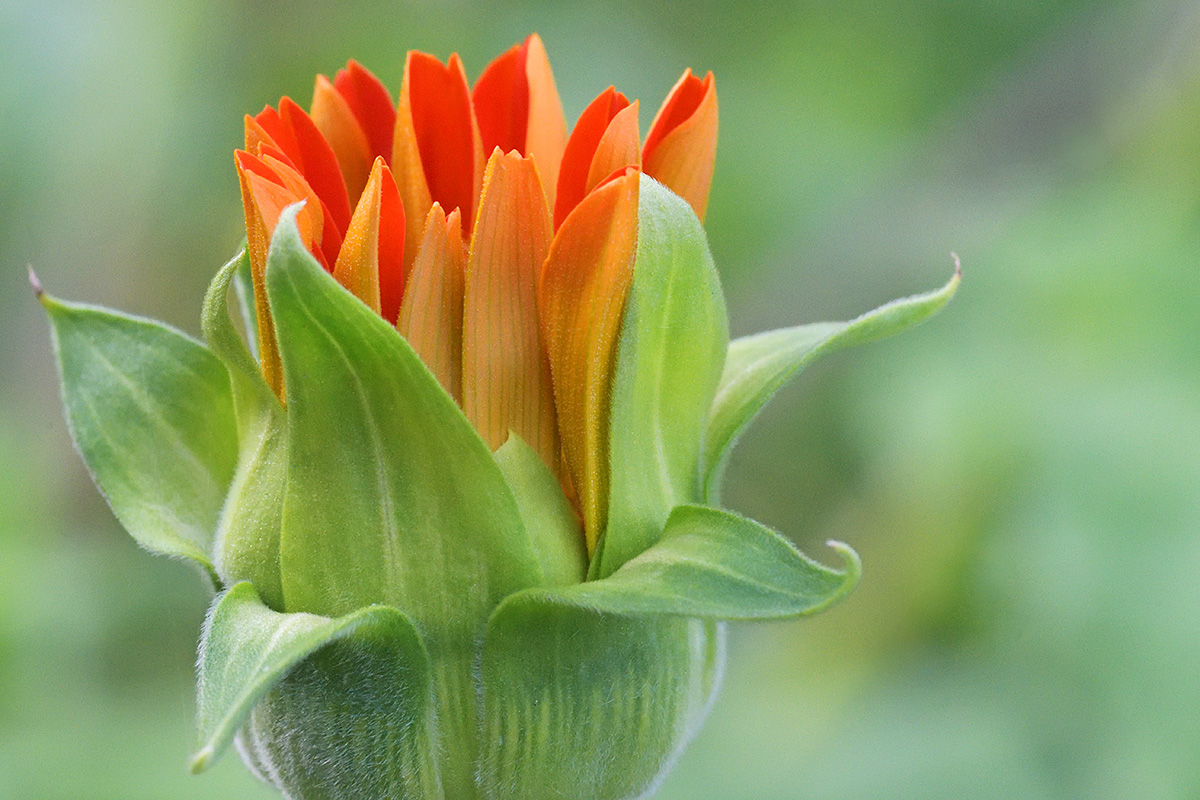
column 317, row 162
column 581, row 147
column 269, row 122
column 266, row 149
column 357, row 265
column 501, row 101
column 311, row 219
column 392, row 234
column 445, row 131
column 518, row 108
column 257, row 137
column 431, row 314
column 682, row 144
column 371, row 104
column 370, row 263
column 406, row 165
column 581, row 299
column 619, row 147
column 506, row 378
column 257, row 240
column 337, row 123
column 546, row 133
column 263, row 197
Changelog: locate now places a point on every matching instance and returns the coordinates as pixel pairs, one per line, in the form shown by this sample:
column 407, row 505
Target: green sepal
column 243, row 289
column 669, row 359
column 297, row 684
column 247, row 542
column 590, row 689
column 151, row 413
column 585, row 705
column 223, row 338
column 757, row 366
column 392, row 497
column 711, row 564
column 553, row 526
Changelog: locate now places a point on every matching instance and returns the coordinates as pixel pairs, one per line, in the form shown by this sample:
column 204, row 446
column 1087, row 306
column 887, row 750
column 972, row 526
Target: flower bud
column 458, row 484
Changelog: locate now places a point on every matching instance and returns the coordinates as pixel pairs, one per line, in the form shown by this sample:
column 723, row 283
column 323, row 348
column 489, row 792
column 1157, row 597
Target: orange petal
column 392, row 234
column 337, row 123
column 257, row 137
column 317, row 162
column 269, row 122
column 371, row 261
column 518, row 107
column 263, row 198
column 406, row 164
column 431, row 314
column 506, row 378
column 619, row 147
column 357, row 265
column 257, row 241
column 265, row 149
column 546, row 134
column 446, row 131
column 371, row 104
column 581, row 147
column 581, row 299
column 311, row 219
column 682, row 144
column 436, row 151
column 501, row 100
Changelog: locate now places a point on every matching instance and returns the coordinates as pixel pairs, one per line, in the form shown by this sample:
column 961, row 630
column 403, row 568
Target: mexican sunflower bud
column 458, row 483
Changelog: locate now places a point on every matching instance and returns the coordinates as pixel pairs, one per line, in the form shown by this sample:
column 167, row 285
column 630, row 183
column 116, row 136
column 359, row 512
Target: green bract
column 406, row 612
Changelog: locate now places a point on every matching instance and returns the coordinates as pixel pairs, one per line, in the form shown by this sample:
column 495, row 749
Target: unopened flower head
column 500, row 247
column 455, row 477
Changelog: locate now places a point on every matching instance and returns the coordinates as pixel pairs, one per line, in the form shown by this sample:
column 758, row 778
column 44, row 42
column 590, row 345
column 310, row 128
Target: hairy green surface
column 247, row 542
column 552, row 523
column 669, row 359
column 151, row 414
column 335, row 707
column 581, row 704
column 712, row 564
column 392, row 497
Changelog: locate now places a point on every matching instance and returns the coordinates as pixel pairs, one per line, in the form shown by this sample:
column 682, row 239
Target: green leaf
column 585, row 705
column 551, row 521
column 669, row 359
column 391, row 497
column 151, row 413
column 713, row 564
column 247, row 544
column 758, row 365
column 300, row 683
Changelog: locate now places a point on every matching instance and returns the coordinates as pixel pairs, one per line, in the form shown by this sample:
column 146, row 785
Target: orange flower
column 522, row 239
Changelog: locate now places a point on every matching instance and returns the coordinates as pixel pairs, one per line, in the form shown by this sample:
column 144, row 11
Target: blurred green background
column 1020, row 475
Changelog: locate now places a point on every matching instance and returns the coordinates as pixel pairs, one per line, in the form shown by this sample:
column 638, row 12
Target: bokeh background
column 1020, row 474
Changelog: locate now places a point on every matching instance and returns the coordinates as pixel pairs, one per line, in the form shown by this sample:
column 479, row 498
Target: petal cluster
column 499, row 243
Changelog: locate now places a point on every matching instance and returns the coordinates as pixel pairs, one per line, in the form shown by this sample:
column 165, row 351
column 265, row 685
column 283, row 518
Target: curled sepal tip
column 712, row 564
column 757, row 366
column 293, row 683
